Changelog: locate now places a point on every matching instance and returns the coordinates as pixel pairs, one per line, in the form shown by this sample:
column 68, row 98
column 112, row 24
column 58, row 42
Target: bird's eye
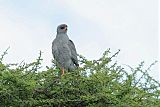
column 62, row 27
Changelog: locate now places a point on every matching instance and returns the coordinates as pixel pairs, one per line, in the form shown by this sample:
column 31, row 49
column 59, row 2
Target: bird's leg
column 62, row 71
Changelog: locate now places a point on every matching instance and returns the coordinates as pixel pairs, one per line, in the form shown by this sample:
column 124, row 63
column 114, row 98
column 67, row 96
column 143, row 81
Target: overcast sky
column 28, row 26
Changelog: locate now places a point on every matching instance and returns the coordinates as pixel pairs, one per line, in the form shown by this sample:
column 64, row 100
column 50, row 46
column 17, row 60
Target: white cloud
column 25, row 37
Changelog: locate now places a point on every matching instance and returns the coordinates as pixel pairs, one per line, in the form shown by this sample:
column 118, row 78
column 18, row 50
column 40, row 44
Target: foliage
column 97, row 83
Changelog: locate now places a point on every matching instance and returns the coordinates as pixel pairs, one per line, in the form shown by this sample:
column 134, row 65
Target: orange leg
column 62, row 70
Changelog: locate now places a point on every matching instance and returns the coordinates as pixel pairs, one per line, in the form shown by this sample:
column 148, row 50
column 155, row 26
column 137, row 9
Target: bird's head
column 62, row 28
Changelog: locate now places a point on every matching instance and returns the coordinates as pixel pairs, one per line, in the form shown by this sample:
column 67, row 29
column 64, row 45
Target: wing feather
column 73, row 52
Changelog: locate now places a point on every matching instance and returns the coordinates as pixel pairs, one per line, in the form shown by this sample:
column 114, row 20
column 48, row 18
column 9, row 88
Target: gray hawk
column 64, row 51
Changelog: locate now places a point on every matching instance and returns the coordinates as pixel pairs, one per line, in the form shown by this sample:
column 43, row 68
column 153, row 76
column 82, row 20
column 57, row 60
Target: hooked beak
column 65, row 29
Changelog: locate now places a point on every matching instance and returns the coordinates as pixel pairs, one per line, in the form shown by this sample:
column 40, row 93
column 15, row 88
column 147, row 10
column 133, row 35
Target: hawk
column 64, row 51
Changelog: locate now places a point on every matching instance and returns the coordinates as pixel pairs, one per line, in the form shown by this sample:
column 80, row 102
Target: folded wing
column 73, row 52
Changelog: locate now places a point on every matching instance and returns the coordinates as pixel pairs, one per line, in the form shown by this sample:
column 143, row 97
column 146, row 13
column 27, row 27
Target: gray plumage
column 63, row 50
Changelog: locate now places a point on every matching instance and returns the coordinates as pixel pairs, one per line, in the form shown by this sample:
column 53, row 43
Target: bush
column 97, row 83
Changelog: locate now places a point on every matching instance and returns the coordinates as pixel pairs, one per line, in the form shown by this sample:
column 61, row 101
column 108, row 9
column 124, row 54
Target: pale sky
column 28, row 26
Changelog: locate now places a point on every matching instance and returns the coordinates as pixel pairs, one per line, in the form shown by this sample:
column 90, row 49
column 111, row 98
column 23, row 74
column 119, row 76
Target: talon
column 62, row 71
